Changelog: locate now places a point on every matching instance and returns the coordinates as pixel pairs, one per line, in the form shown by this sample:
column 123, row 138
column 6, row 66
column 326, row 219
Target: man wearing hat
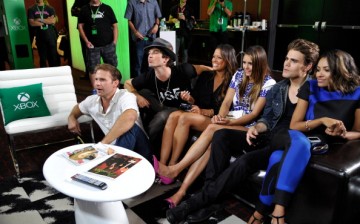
column 158, row 91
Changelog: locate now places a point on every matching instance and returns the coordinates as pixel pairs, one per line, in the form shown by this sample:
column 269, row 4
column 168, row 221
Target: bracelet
column 307, row 125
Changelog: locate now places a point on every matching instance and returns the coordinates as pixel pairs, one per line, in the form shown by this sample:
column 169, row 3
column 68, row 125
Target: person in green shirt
column 219, row 12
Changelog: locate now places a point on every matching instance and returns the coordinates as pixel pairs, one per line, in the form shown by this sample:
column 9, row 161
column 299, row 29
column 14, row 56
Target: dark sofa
column 329, row 192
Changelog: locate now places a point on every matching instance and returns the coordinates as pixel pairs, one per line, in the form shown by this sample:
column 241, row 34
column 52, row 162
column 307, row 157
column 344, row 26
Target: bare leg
column 194, row 171
column 195, row 151
column 167, row 138
column 256, row 218
column 181, row 134
column 278, row 215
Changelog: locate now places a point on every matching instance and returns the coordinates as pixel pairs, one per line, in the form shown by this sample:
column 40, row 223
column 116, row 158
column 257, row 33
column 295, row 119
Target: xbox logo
column 17, row 21
column 23, row 97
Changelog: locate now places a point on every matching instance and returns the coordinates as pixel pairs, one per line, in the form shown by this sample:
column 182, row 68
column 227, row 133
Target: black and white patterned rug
column 34, row 201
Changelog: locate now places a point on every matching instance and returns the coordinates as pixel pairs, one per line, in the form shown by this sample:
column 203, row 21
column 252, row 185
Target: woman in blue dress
column 328, row 108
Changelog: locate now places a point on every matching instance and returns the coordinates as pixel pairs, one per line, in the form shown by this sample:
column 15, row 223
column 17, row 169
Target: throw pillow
column 23, row 102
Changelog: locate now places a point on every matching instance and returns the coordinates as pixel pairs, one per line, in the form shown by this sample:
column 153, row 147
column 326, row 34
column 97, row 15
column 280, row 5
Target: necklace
column 157, row 90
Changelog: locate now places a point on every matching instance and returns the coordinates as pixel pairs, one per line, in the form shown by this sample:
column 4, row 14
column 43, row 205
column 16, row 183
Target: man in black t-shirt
column 158, row 91
column 42, row 18
column 97, row 25
column 75, row 11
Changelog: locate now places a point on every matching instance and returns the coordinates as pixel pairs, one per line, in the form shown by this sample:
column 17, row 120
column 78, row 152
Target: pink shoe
column 170, row 202
column 163, row 179
column 156, row 165
column 166, row 180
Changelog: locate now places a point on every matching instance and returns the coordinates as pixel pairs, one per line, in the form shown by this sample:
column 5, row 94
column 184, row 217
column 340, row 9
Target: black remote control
column 89, row 181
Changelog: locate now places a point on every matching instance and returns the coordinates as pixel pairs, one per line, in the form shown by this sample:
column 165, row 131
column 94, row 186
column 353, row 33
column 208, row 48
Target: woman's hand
column 195, row 109
column 334, row 127
column 218, row 119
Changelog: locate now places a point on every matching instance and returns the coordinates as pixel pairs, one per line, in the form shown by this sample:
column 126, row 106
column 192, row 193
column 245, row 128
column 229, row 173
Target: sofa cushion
column 23, row 102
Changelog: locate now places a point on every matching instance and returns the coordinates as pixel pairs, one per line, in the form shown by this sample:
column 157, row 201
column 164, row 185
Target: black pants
column 154, row 118
column 223, row 176
column 46, row 42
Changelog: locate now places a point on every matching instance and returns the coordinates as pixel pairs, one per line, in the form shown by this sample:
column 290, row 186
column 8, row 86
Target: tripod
column 243, row 30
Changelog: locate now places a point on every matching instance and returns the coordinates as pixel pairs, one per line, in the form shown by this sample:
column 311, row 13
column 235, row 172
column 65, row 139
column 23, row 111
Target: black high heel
column 277, row 218
column 256, row 219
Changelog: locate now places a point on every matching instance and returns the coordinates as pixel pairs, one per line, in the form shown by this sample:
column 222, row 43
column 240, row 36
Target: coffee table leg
column 89, row 212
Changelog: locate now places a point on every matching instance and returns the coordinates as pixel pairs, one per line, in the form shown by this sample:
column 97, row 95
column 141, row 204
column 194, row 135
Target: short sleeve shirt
column 143, row 15
column 101, row 19
column 121, row 101
column 243, row 104
column 324, row 103
column 167, row 92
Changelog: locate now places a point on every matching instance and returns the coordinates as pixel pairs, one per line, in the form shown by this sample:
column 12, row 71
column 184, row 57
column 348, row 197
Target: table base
column 89, row 212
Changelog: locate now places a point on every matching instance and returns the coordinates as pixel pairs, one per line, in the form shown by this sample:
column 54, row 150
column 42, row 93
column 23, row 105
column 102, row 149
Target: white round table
column 92, row 205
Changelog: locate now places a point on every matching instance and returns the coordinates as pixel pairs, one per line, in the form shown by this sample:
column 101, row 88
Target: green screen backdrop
column 122, row 47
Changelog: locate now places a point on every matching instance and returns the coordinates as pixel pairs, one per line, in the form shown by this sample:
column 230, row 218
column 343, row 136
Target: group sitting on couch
column 277, row 141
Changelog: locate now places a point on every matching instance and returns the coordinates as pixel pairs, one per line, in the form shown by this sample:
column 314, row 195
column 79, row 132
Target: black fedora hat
column 163, row 45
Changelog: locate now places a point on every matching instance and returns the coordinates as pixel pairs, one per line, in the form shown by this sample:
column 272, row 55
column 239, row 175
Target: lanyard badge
column 94, row 16
column 41, row 13
column 93, row 30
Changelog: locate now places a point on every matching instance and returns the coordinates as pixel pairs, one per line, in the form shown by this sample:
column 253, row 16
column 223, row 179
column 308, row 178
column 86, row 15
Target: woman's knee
column 174, row 117
column 211, row 128
column 300, row 143
column 275, row 157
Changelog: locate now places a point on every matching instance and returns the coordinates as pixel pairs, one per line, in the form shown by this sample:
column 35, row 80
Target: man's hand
column 155, row 29
column 138, row 35
column 142, row 102
column 185, row 95
column 74, row 126
column 252, row 133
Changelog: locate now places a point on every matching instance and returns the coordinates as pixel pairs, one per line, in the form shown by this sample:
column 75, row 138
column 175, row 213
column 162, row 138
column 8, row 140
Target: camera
column 185, row 106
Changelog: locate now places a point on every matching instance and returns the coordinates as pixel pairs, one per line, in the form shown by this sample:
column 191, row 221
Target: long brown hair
column 228, row 54
column 260, row 69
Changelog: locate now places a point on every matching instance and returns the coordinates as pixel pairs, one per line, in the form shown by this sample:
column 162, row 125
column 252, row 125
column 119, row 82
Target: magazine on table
column 86, row 154
column 115, row 165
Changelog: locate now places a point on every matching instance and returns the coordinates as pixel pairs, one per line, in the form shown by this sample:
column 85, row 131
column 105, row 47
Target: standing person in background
column 144, row 19
column 219, row 12
column 42, row 18
column 98, row 28
column 182, row 14
column 75, row 11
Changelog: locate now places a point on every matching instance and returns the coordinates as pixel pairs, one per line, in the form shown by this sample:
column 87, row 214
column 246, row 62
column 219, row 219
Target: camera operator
column 219, row 12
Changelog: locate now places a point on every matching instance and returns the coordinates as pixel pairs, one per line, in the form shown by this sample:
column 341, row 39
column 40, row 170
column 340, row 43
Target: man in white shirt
column 114, row 110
